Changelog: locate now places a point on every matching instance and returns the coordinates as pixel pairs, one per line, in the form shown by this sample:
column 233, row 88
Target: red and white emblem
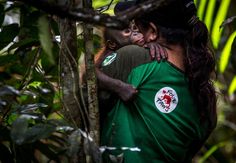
column 166, row 100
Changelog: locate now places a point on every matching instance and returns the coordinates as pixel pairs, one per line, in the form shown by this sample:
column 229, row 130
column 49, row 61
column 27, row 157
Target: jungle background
column 43, row 111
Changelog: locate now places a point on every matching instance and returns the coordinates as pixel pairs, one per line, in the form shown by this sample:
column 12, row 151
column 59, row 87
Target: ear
column 154, row 32
column 111, row 45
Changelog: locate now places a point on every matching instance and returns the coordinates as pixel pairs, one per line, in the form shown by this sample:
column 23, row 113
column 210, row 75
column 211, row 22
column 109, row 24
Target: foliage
column 220, row 21
column 32, row 127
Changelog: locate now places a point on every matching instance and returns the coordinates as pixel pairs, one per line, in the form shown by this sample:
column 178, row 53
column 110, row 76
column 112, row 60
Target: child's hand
column 157, row 51
column 126, row 91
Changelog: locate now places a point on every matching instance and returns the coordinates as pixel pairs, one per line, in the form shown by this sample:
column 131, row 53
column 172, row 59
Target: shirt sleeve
column 124, row 60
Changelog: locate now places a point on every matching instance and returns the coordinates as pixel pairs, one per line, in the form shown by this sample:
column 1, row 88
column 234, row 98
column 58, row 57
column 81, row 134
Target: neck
column 175, row 55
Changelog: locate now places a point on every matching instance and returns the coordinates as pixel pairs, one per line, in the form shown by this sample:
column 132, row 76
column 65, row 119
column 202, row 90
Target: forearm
column 125, row 91
column 106, row 82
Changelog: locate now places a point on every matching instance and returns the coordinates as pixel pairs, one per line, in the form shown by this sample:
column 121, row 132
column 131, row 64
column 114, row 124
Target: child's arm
column 157, row 51
column 125, row 91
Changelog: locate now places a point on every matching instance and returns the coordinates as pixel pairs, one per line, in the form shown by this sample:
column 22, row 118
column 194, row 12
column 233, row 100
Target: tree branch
column 63, row 10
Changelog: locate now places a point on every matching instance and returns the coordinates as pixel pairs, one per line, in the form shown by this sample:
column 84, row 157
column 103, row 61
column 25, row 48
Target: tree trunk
column 69, row 80
column 94, row 128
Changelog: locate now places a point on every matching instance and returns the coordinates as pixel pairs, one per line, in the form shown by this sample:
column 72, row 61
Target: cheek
column 147, row 35
column 137, row 39
column 147, row 38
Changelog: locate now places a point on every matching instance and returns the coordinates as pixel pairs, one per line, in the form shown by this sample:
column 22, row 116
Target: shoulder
column 132, row 50
column 133, row 55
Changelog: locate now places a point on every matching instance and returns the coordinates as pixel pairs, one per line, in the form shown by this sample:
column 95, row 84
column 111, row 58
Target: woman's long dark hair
column 199, row 62
column 200, row 66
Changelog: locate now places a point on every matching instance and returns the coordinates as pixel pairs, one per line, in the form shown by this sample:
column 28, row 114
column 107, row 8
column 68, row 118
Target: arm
column 119, row 70
column 157, row 51
column 125, row 91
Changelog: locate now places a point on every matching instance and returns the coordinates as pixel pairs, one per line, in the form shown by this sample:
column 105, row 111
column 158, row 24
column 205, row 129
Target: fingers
column 135, row 90
column 127, row 92
column 163, row 53
column 158, row 53
column 152, row 51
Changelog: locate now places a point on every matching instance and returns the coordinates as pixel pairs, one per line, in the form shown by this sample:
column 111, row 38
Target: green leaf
column 22, row 134
column 209, row 13
column 232, row 86
column 8, row 34
column 220, row 17
column 49, row 67
column 104, row 6
column 39, row 131
column 45, row 37
column 19, row 128
column 8, row 90
column 31, row 107
column 211, row 151
column 225, row 55
column 201, row 9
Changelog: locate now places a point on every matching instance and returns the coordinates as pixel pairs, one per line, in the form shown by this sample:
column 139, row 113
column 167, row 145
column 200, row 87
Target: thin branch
column 92, row 16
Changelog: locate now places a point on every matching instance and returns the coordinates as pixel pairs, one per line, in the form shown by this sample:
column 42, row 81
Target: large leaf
column 209, row 13
column 8, row 34
column 201, row 9
column 7, row 95
column 39, row 131
column 220, row 17
column 105, row 6
column 232, row 86
column 45, row 37
column 19, row 129
column 48, row 66
column 22, row 134
column 31, row 107
column 224, row 58
column 8, row 90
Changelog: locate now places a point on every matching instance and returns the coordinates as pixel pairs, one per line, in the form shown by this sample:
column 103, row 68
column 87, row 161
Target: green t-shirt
column 162, row 122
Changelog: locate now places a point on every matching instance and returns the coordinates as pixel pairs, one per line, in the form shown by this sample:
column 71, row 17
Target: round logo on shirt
column 166, row 100
column 109, row 59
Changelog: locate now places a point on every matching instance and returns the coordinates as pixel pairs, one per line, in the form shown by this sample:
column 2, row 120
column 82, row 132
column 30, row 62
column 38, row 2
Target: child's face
column 134, row 35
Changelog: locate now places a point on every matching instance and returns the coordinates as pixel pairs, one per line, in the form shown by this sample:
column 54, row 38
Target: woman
column 175, row 108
